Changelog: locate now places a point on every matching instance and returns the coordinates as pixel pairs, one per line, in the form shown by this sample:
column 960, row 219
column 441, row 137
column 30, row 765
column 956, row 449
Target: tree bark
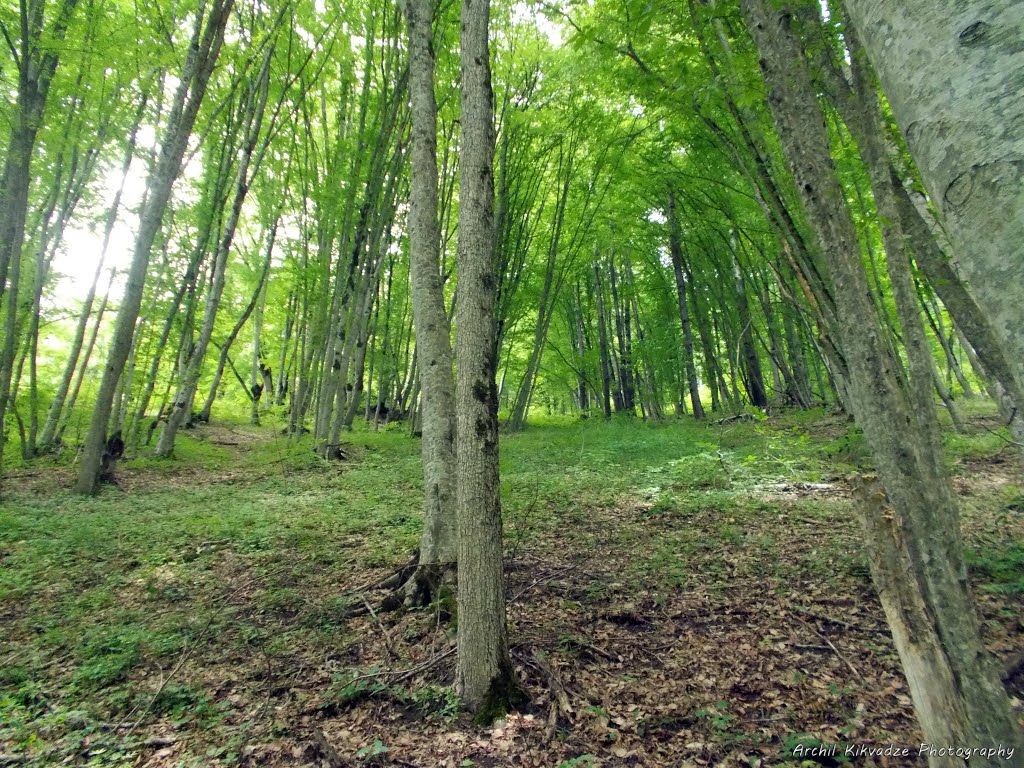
column 956, row 690
column 203, row 51
column 951, row 73
column 258, row 295
column 484, row 675
column 252, row 121
column 675, row 242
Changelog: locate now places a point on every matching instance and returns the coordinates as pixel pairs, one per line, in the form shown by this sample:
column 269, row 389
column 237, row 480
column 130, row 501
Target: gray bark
column 49, row 433
column 676, row 252
column 181, row 409
column 916, row 549
column 35, row 65
column 951, row 72
column 484, row 675
column 259, row 295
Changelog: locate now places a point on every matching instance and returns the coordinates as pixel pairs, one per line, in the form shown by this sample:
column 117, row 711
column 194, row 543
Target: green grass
column 245, row 551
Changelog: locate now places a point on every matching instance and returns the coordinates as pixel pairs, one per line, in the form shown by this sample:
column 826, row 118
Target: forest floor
column 679, row 595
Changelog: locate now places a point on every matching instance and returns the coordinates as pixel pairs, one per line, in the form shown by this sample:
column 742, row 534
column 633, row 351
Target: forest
column 512, row 383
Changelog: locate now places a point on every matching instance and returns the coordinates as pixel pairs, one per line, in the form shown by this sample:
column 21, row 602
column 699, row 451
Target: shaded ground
column 679, row 595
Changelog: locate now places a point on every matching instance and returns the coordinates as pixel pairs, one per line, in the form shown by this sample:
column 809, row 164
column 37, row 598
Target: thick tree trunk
column 484, row 675
column 957, row 692
column 967, row 315
column 951, row 73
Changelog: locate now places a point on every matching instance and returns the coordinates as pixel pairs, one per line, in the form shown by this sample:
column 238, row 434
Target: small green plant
column 372, row 750
column 356, row 685
column 582, row 761
column 703, row 471
column 730, row 534
column 799, row 742
column 718, row 717
column 437, row 700
column 1003, row 569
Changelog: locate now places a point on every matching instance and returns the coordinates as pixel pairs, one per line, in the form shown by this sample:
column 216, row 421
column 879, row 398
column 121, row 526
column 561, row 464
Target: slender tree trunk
column 625, row 361
column 258, row 295
column 198, row 68
column 252, row 121
column 84, row 364
column 582, row 392
column 753, row 378
column 281, row 387
column 796, row 353
column 915, row 550
column 256, row 377
column 676, row 252
column 35, row 66
column 602, row 342
column 484, row 675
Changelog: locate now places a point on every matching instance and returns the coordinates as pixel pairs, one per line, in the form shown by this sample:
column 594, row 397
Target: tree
column 35, row 65
column 203, row 50
column 676, row 252
column 484, row 673
column 910, row 517
column 433, row 335
column 951, row 73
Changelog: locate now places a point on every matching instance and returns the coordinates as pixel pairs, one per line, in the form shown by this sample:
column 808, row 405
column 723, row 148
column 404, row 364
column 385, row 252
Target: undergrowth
column 243, row 546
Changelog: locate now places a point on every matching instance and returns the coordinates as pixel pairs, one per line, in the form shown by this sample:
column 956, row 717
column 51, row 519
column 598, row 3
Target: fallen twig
column 538, row 582
column 403, row 674
column 327, row 752
column 383, row 632
column 823, row 617
column 560, row 704
column 834, row 650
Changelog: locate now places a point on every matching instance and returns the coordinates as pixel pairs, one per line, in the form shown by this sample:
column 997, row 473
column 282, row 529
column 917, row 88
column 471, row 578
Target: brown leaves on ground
column 643, row 635
column 727, row 668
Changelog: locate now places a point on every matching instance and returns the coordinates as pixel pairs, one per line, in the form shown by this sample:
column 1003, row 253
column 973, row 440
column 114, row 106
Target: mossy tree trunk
column 433, row 335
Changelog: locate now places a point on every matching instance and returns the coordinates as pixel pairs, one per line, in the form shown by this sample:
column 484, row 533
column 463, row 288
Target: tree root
column 414, row 585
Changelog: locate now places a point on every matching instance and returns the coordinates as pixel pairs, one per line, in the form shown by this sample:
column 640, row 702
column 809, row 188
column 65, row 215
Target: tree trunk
column 753, row 378
column 203, row 51
column 258, row 295
column 675, row 242
column 951, row 73
column 251, row 120
column 35, row 67
column 602, row 343
column 956, row 690
column 620, row 311
column 484, row 675
column 582, row 393
column 84, row 364
column 967, row 315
